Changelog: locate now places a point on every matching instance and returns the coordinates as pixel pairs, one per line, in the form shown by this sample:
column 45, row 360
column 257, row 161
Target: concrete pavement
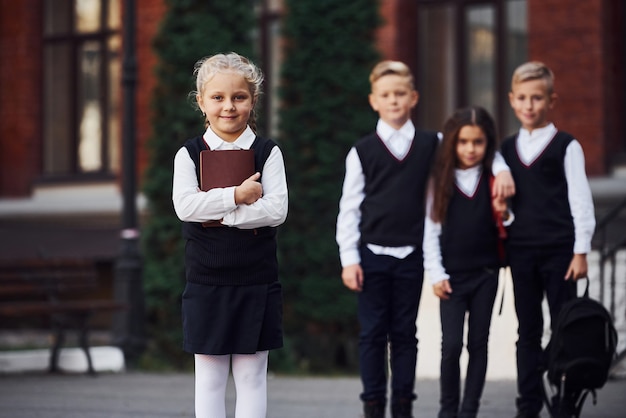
column 119, row 394
column 145, row 395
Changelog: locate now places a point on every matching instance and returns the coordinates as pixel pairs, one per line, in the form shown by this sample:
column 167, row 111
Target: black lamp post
column 128, row 325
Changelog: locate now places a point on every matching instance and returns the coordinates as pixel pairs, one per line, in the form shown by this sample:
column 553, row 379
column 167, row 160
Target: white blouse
column 193, row 205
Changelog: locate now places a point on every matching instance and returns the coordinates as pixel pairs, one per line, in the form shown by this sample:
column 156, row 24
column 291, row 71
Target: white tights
column 249, row 375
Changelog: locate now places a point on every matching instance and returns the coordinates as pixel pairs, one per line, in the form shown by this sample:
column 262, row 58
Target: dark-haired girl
column 461, row 252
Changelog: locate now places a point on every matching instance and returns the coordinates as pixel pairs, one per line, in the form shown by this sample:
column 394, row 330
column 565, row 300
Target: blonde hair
column 206, row 68
column 384, row 68
column 534, row 70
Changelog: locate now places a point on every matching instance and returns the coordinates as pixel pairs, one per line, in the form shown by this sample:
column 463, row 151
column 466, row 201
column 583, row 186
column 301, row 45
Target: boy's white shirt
column 193, row 205
column 348, row 234
column 530, row 145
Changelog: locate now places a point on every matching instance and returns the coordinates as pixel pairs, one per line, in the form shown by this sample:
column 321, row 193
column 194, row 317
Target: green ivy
column 324, row 87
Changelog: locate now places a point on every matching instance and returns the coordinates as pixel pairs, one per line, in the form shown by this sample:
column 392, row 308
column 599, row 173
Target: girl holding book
column 461, row 253
column 232, row 302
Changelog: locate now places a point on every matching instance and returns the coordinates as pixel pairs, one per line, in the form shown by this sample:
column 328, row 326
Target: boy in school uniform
column 380, row 229
column 554, row 221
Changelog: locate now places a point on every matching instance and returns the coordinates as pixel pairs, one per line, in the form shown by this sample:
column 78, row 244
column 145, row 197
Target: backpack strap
column 497, row 217
column 502, row 235
column 586, row 294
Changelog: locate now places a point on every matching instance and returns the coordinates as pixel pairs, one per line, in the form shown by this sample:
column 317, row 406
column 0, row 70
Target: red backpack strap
column 497, row 217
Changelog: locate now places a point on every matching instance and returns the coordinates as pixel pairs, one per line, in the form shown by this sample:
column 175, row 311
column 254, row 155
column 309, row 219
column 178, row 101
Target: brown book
column 224, row 169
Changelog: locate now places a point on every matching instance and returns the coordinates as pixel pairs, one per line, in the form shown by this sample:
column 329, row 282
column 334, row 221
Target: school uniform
column 554, row 219
column 380, row 227
column 464, row 250
column 232, row 302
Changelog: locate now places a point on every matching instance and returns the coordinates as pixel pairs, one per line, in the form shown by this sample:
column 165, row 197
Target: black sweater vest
column 230, row 256
column 469, row 237
column 392, row 212
column 541, row 206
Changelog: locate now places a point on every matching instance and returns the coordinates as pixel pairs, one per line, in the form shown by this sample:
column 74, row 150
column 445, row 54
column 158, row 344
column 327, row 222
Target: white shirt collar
column 467, row 179
column 531, row 144
column 398, row 142
column 385, row 131
column 244, row 141
column 547, row 131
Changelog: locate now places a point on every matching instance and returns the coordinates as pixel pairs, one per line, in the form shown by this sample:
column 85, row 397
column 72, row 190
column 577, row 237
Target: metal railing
column 608, row 250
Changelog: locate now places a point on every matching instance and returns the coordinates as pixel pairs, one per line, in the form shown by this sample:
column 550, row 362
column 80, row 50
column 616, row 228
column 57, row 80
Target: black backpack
column 580, row 354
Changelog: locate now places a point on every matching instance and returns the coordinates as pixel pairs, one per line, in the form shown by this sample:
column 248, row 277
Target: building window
column 467, row 52
column 480, row 47
column 82, row 67
column 268, row 43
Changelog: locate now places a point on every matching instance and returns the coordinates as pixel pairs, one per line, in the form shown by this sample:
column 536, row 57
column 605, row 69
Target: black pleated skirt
column 232, row 319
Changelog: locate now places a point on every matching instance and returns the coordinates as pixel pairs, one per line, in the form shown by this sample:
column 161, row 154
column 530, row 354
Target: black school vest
column 469, row 237
column 228, row 255
column 392, row 212
column 541, row 206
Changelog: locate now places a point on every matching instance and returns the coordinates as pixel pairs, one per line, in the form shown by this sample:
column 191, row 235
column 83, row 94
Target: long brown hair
column 446, row 161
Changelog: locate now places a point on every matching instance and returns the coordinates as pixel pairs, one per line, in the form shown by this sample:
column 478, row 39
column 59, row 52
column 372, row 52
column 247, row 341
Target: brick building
column 61, row 106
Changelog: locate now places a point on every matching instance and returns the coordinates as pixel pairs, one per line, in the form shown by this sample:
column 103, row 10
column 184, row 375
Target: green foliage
column 330, row 52
column 190, row 30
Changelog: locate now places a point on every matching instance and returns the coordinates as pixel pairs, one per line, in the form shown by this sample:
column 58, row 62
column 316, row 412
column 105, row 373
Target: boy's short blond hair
column 384, row 68
column 534, row 70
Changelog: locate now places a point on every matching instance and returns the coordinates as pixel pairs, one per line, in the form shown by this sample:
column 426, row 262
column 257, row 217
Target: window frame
column 75, row 40
column 460, row 75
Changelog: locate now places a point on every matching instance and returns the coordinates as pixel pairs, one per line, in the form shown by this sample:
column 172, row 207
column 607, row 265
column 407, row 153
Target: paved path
column 144, row 395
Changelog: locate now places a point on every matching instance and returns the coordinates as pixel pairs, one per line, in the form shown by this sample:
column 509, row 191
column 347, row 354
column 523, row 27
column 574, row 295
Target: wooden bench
column 60, row 291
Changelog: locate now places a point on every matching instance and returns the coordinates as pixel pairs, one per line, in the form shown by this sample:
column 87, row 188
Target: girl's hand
column 499, row 205
column 352, row 277
column 577, row 267
column 442, row 289
column 249, row 191
column 503, row 186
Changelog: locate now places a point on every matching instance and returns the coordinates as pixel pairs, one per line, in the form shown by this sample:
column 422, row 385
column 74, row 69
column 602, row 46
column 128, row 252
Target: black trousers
column 536, row 272
column 387, row 311
column 473, row 293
